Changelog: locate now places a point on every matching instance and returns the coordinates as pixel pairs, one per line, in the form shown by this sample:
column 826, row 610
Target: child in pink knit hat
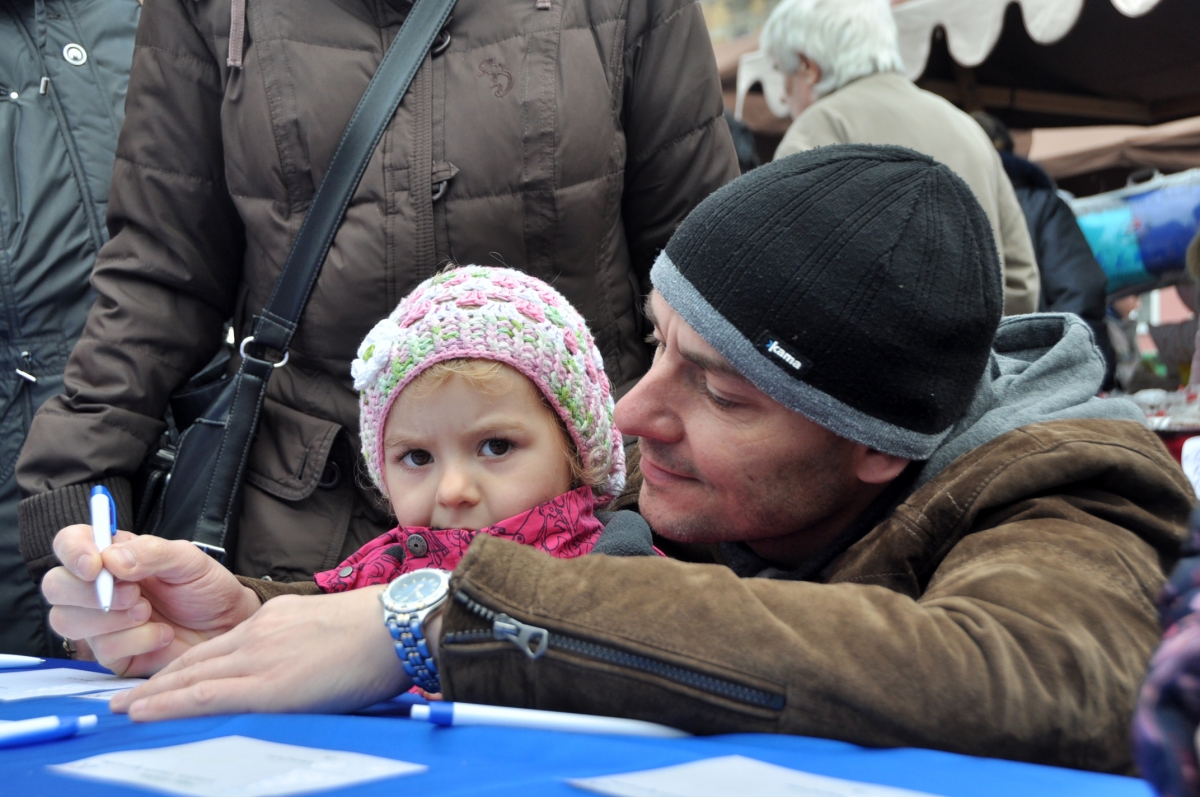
column 485, row 409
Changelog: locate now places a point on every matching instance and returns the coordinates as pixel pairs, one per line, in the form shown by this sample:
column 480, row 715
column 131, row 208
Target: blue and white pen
column 459, row 714
column 104, row 526
column 44, row 729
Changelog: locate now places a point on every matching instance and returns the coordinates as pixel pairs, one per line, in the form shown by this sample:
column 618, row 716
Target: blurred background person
column 743, row 143
column 1071, row 279
column 1193, row 267
column 64, row 67
column 1168, row 709
column 845, row 86
column 1130, row 371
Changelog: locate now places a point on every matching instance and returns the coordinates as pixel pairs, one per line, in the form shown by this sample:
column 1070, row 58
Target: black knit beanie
column 857, row 285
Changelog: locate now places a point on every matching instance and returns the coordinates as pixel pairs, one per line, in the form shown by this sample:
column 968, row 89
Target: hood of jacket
column 1043, row 367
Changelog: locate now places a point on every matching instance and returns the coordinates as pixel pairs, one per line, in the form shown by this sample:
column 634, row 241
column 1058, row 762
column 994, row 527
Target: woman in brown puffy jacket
column 567, row 138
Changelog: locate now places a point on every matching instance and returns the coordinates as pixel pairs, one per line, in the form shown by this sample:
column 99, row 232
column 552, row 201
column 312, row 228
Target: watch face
column 416, row 588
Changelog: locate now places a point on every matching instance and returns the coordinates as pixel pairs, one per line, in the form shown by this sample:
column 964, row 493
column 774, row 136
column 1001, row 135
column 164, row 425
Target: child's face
column 464, row 458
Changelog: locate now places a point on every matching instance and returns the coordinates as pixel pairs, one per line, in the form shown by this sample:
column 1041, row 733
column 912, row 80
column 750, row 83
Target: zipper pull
column 44, row 86
column 530, row 639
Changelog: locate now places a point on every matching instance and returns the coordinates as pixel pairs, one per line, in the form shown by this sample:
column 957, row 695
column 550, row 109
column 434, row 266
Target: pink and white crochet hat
column 486, row 313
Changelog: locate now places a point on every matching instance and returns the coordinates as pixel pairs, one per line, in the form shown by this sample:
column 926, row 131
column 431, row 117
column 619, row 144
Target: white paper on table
column 106, row 695
column 58, row 682
column 237, row 766
column 732, row 774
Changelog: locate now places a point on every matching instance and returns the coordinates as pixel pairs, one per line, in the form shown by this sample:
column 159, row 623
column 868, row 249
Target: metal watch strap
column 413, row 651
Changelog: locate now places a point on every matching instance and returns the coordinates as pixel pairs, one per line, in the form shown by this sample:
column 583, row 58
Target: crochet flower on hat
column 486, row 313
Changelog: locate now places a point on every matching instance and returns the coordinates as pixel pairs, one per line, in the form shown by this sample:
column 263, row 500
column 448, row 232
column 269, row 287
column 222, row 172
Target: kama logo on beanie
column 793, row 360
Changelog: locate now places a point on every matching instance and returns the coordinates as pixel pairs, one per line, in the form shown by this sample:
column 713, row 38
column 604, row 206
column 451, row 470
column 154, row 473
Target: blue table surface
column 501, row 761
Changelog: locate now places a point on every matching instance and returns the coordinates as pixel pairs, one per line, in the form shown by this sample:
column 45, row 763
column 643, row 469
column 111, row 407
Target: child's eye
column 496, row 447
column 417, row 458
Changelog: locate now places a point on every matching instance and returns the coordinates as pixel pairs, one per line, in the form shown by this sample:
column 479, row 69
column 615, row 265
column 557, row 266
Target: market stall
column 1034, row 63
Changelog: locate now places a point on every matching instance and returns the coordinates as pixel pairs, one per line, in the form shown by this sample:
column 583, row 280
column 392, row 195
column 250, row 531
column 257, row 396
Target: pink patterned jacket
column 564, row 527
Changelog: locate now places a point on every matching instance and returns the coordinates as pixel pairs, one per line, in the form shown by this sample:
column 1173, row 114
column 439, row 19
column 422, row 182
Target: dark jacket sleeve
column 165, row 282
column 679, row 149
column 1072, row 280
column 265, row 590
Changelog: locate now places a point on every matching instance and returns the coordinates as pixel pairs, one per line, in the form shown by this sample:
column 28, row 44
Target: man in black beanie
column 909, row 523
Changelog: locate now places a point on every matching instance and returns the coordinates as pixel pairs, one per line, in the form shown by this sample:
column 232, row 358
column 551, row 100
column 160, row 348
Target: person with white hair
column 845, row 86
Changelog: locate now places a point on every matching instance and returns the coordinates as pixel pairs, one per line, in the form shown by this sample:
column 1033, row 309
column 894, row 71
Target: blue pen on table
column 460, row 714
column 104, row 526
column 10, row 661
column 44, row 729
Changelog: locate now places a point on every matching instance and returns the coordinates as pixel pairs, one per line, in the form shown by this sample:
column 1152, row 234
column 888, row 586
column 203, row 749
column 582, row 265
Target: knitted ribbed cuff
column 40, row 517
column 265, row 590
column 753, row 362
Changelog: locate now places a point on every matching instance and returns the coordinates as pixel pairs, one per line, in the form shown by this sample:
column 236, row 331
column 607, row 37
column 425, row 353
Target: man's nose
column 648, row 409
column 457, row 488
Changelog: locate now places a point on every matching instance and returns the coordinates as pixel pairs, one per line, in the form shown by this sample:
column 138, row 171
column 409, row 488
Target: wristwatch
column 407, row 601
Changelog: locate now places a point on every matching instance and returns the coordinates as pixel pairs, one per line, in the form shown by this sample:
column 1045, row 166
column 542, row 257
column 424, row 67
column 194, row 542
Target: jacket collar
column 564, row 527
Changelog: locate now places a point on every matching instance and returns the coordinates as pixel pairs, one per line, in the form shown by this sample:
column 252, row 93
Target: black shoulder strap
column 273, row 329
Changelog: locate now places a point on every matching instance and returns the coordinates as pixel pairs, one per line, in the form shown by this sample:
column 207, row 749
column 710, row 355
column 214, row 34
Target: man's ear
column 875, row 467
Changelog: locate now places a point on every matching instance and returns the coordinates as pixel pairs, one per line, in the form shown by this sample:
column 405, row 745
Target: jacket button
column 416, row 545
column 346, row 571
column 75, row 55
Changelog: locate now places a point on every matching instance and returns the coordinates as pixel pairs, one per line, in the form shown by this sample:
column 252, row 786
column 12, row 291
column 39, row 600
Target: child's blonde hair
column 485, row 376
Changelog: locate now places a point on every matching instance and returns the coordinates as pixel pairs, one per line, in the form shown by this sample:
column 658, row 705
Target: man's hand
column 319, row 653
column 169, row 596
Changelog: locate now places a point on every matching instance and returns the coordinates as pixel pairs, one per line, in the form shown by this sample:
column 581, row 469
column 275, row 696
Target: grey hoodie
column 1044, row 367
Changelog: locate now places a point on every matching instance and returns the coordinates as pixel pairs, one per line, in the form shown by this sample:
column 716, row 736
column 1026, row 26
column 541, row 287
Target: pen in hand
column 104, row 526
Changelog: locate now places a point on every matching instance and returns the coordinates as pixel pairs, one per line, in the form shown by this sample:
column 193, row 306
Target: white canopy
column 973, row 26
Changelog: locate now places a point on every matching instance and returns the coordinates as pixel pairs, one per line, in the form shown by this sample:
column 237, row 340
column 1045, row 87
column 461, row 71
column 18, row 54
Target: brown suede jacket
column 1005, row 609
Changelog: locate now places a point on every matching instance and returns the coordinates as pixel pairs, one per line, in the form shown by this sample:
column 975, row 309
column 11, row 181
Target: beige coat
column 887, row 108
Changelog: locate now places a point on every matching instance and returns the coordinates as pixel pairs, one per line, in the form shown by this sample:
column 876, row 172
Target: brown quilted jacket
column 571, row 137
column 1005, row 609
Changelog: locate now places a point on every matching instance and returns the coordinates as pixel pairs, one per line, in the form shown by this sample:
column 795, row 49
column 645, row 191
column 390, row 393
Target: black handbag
column 191, row 488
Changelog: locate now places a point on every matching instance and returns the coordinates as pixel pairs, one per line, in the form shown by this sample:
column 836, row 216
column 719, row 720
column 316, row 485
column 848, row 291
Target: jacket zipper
column 534, row 641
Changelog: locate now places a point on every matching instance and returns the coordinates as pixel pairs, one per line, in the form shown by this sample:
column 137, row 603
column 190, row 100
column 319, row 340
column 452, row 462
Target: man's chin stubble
column 689, row 529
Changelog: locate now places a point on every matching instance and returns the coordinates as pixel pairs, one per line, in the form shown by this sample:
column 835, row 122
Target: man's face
column 722, row 461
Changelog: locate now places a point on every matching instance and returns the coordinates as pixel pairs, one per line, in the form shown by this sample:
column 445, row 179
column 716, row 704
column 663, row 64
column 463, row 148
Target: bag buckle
column 250, row 339
column 215, row 551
